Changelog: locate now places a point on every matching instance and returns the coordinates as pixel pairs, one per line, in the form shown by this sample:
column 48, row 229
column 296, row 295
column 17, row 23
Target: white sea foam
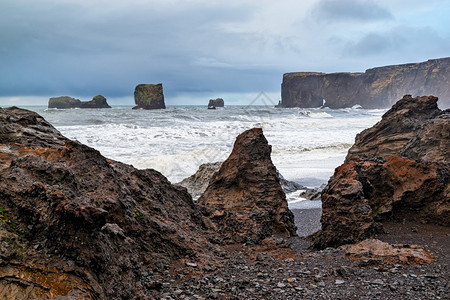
column 306, row 147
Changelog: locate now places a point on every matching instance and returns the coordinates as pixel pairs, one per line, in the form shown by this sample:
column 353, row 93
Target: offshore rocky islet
column 66, row 102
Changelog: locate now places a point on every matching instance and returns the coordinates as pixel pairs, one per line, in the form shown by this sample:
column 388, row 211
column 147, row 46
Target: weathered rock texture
column 149, row 96
column 65, row 102
column 377, row 250
column 244, row 199
column 376, row 88
column 197, row 183
column 216, row 102
column 74, row 223
column 397, row 170
column 414, row 128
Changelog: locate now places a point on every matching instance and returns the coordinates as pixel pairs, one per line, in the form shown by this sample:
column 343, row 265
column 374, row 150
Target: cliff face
column 149, row 96
column 376, row 88
column 397, row 170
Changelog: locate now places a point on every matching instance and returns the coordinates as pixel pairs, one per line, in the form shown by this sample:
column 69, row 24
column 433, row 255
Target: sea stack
column 149, row 96
column 66, row 102
column 216, row 103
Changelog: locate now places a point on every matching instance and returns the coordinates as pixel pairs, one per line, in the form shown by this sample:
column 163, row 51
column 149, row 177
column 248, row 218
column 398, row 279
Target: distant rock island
column 213, row 103
column 66, row 102
column 376, row 88
column 149, row 96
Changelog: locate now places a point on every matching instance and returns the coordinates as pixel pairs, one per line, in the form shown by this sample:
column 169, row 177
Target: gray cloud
column 83, row 48
column 330, row 11
column 399, row 43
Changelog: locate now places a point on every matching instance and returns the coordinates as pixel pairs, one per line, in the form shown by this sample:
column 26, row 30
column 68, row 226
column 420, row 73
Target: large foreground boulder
column 149, row 96
column 397, row 170
column 244, row 198
column 75, row 224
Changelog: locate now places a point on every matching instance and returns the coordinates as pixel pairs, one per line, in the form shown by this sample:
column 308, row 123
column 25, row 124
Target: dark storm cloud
column 68, row 47
column 349, row 10
column 83, row 48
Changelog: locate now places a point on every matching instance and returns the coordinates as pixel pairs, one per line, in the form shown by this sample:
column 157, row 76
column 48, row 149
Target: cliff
column 376, row 88
column 396, row 171
column 149, row 96
column 66, row 102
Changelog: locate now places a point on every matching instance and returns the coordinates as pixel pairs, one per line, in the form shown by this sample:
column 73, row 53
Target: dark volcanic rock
column 414, row 127
column 97, row 102
column 77, row 224
column 376, row 88
column 149, row 96
column 397, row 170
column 216, row 102
column 245, row 199
column 197, row 183
column 65, row 102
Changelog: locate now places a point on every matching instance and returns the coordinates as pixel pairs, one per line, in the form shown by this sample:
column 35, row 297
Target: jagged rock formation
column 197, row 183
column 397, row 170
column 74, row 223
column 376, row 88
column 77, row 225
column 216, row 102
column 244, row 199
column 66, row 102
column 414, row 128
column 149, row 96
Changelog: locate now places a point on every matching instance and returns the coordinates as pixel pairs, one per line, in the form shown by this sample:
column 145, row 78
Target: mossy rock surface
column 98, row 101
column 63, row 102
column 149, row 96
column 66, row 102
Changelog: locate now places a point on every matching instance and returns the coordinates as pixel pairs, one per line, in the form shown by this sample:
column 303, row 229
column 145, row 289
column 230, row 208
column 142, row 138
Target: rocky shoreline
column 77, row 225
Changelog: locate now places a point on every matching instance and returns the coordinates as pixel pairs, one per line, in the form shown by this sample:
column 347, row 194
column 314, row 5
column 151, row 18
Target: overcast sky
column 202, row 49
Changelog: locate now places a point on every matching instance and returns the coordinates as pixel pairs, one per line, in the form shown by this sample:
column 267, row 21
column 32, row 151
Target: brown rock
column 197, row 183
column 102, row 229
column 390, row 173
column 414, row 127
column 378, row 250
column 245, row 198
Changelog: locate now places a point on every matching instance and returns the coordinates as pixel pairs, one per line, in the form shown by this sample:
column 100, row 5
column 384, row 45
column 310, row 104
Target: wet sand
column 307, row 220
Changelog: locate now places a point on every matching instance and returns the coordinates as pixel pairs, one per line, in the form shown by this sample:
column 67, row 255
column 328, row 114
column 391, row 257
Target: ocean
column 307, row 144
